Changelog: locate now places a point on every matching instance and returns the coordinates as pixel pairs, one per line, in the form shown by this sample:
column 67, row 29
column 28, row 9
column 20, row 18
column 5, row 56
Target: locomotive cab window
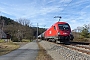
column 63, row 26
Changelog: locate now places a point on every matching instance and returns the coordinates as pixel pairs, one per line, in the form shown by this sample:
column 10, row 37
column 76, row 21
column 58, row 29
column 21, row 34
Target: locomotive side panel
column 51, row 32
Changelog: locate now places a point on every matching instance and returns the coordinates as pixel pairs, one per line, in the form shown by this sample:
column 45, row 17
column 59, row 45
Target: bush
column 81, row 37
column 89, row 35
column 85, row 40
column 81, row 40
column 85, row 32
column 14, row 39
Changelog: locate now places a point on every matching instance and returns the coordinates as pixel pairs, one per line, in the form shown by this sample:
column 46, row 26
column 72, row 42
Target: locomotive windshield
column 63, row 26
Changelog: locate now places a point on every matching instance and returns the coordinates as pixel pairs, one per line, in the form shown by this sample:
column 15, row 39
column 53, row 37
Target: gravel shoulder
column 48, row 47
column 58, row 52
column 42, row 54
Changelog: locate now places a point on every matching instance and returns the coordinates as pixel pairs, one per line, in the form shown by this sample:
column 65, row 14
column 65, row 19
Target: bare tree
column 79, row 29
column 2, row 24
column 25, row 28
column 24, row 22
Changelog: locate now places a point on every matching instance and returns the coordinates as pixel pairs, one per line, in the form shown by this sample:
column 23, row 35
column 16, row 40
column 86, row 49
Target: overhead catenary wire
column 63, row 10
column 67, row 5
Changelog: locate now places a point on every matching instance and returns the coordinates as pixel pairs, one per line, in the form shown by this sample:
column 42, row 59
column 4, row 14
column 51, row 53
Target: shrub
column 14, row 39
column 81, row 37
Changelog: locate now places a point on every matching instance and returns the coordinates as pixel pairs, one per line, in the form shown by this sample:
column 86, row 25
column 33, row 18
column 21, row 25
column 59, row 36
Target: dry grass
column 42, row 54
column 7, row 47
column 86, row 40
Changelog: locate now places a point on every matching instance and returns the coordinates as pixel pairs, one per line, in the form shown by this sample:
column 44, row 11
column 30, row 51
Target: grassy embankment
column 85, row 40
column 42, row 54
column 6, row 47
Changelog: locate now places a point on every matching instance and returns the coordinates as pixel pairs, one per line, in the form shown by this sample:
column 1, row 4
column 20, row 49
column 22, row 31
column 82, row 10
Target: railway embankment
column 59, row 52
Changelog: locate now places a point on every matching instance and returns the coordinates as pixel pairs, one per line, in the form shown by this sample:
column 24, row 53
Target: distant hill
column 7, row 21
column 18, row 30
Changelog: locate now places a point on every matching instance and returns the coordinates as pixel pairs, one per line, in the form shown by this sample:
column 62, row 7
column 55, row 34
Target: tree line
column 82, row 32
column 19, row 29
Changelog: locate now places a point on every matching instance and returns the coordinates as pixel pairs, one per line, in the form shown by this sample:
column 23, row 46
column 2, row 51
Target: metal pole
column 60, row 18
column 0, row 12
column 37, row 31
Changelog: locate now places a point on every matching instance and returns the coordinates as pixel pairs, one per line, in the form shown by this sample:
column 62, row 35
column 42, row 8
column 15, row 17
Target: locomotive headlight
column 58, row 33
column 65, row 33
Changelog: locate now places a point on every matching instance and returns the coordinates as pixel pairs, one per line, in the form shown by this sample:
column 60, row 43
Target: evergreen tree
column 85, row 32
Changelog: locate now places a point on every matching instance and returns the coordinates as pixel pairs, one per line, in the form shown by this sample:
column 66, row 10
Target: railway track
column 78, row 47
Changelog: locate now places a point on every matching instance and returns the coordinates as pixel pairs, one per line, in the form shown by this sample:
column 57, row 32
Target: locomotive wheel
column 67, row 42
column 47, row 39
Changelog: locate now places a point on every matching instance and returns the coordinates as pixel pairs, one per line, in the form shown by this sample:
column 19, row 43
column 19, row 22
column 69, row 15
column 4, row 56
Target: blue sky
column 74, row 12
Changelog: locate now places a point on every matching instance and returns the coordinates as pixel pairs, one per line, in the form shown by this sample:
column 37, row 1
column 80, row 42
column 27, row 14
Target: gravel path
column 58, row 52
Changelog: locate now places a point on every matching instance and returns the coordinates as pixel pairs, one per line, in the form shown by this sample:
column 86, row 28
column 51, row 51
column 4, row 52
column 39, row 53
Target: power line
column 63, row 10
column 67, row 5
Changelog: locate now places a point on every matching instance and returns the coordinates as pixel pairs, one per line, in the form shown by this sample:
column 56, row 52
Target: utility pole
column 58, row 17
column 2, row 24
column 2, row 21
column 37, row 31
column 0, row 12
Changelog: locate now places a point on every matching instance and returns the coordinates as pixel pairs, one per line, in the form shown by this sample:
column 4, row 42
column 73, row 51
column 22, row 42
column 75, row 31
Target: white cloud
column 73, row 21
column 76, row 13
column 47, row 10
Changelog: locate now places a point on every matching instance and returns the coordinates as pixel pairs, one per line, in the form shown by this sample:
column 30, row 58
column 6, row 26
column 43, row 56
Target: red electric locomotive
column 59, row 32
